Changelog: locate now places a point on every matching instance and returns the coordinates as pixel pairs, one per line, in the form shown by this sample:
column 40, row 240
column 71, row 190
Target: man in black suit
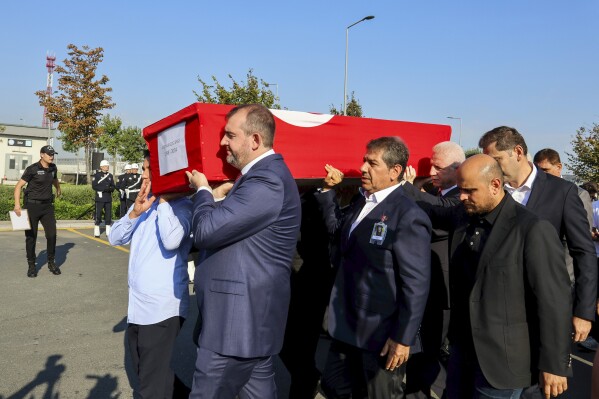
column 380, row 290
column 426, row 370
column 511, row 302
column 557, row 201
column 310, row 290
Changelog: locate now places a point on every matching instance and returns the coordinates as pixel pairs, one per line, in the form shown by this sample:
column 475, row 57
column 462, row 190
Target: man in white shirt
column 382, row 284
column 158, row 229
column 557, row 201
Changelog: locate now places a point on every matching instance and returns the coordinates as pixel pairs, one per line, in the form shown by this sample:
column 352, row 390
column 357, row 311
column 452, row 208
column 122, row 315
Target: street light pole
column 346, row 52
column 460, row 136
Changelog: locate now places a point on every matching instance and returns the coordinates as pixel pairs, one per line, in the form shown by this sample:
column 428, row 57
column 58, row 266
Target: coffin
column 190, row 139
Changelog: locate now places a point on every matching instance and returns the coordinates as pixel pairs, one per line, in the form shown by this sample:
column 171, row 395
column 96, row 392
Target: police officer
column 133, row 185
column 103, row 185
column 121, row 186
column 38, row 202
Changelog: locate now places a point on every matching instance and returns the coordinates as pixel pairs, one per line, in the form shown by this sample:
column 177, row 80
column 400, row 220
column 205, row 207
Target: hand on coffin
column 197, row 179
column 334, row 177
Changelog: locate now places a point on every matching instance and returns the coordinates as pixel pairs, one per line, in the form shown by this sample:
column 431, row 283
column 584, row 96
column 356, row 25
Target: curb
column 60, row 224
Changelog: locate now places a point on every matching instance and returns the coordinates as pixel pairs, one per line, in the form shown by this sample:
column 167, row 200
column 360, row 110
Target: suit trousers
column 107, row 208
column 351, row 372
column 226, row 377
column 151, row 348
column 466, row 380
column 40, row 213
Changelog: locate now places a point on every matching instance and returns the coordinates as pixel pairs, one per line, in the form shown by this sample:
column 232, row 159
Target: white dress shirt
column 522, row 194
column 372, row 201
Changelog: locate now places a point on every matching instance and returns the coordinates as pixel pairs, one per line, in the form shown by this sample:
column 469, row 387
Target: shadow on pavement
column 60, row 256
column 48, row 376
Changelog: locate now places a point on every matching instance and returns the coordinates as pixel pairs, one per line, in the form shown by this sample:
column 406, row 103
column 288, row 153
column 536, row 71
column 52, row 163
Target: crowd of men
column 474, row 288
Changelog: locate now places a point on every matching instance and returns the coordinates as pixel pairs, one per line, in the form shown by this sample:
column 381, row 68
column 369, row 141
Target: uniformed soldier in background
column 38, row 202
column 121, row 186
column 133, row 185
column 103, row 185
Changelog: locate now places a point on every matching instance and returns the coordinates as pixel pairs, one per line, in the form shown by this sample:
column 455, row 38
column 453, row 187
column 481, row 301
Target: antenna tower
column 50, row 65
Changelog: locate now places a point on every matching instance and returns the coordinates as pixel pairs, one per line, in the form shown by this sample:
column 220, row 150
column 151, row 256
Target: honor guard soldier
column 38, row 201
column 103, row 185
column 133, row 185
column 121, row 182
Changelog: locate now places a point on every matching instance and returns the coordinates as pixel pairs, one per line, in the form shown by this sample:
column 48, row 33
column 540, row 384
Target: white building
column 19, row 147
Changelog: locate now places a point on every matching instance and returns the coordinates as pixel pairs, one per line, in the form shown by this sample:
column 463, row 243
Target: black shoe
column 52, row 267
column 32, row 271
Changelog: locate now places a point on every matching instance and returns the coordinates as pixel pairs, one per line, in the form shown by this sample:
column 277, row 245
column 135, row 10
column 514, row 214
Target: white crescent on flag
column 301, row 119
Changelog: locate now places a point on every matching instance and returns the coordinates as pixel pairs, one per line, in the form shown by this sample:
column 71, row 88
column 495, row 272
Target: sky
column 530, row 64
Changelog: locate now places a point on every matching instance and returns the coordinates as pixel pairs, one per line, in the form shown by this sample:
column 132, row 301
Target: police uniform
column 103, row 185
column 120, row 185
column 133, row 187
column 39, row 203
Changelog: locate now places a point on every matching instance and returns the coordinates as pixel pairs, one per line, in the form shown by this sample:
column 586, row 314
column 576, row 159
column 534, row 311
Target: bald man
column 511, row 303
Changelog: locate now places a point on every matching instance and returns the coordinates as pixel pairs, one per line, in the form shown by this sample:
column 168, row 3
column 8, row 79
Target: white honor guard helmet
column 134, row 166
column 104, row 163
column 127, row 167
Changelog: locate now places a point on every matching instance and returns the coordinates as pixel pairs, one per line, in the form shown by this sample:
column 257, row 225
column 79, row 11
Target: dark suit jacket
column 520, row 305
column 247, row 243
column 440, row 252
column 436, row 315
column 380, row 291
column 557, row 201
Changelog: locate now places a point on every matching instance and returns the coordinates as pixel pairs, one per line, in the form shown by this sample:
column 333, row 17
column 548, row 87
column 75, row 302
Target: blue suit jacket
column 247, row 243
column 380, row 291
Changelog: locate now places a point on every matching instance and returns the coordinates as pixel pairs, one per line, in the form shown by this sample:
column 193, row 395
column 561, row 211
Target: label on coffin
column 172, row 153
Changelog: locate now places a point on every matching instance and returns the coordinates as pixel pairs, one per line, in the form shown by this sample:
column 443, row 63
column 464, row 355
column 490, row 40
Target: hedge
column 76, row 202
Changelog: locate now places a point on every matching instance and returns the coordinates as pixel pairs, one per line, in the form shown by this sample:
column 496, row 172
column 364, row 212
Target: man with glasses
column 38, row 201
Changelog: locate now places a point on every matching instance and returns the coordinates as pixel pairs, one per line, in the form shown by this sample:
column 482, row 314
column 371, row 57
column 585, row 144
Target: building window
column 12, row 163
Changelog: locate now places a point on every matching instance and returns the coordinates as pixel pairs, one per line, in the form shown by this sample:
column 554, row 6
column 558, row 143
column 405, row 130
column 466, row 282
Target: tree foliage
column 81, row 99
column 584, row 163
column 472, row 151
column 2, row 129
column 126, row 142
column 253, row 90
column 132, row 144
column 353, row 107
column 109, row 139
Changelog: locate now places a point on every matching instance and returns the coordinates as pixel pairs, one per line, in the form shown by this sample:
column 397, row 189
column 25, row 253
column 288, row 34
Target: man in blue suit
column 247, row 242
column 382, row 284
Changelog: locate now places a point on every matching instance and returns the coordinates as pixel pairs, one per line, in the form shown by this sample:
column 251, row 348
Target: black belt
column 34, row 201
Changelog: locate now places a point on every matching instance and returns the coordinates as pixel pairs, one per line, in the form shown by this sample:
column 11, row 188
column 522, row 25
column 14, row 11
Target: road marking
column 582, row 360
column 96, row 239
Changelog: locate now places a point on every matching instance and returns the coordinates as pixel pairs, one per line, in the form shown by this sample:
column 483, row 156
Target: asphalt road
column 62, row 337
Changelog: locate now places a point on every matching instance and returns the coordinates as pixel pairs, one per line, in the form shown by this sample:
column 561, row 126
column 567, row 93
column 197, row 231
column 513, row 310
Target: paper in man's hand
column 20, row 222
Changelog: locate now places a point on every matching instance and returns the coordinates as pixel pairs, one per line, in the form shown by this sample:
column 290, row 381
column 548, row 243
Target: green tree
column 253, row 90
column 109, row 140
column 584, row 163
column 2, row 129
column 131, row 144
column 353, row 107
column 81, row 99
column 472, row 151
